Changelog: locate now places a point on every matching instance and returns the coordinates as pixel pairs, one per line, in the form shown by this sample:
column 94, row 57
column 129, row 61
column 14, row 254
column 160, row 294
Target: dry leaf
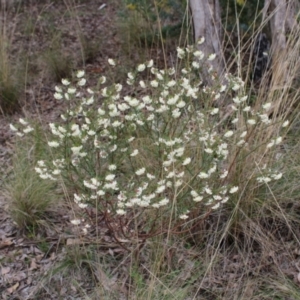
column 33, row 264
column 13, row 288
column 37, row 251
column 19, row 276
column 5, row 243
column 5, row 270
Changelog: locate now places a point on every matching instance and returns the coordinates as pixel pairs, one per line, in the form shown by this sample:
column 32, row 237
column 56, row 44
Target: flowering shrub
column 157, row 154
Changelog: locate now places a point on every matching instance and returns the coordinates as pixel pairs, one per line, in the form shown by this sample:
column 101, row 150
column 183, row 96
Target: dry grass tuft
column 31, row 199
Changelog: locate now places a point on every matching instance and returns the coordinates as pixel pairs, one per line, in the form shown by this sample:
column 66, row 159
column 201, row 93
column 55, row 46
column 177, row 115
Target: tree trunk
column 282, row 15
column 207, row 23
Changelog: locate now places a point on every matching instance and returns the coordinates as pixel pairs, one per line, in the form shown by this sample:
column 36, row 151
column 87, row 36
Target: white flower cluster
column 145, row 151
column 26, row 128
column 52, row 172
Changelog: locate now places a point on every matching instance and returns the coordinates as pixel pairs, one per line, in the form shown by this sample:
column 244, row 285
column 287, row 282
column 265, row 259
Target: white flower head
column 71, row 90
column 90, row 91
column 264, row 179
column 176, row 113
column 76, row 150
column 133, row 102
column 141, row 68
column 236, row 87
column 278, row 140
column 201, row 40
column 140, row 171
column 102, row 79
column 271, row 144
column 285, row 124
column 142, row 84
column 53, row 144
column 58, row 89
column 216, row 206
column 164, row 201
column 100, row 193
column 277, row 176
column 41, row 163
column 265, row 118
column 186, row 161
column 199, row 54
column 65, row 81
column 198, row 199
column 171, row 71
column 23, row 122
column 159, row 76
column 171, row 83
column 82, row 82
column 90, row 101
column 154, row 83
column 267, row 106
column 240, row 143
column 228, row 134
column 67, row 97
column 194, row 193
column 150, row 117
column 56, row 172
column 236, row 100
column 183, row 216
column 135, row 152
column 225, row 200
column 233, row 190
column 104, row 92
column 154, row 70
column 12, row 127
column 110, row 177
column 80, row 74
column 195, row 65
column 243, row 99
column 251, row 122
column 203, row 175
column 150, row 63
column 189, row 49
column 208, row 150
column 211, row 57
column 150, row 176
column 58, row 96
column 82, row 205
column 120, row 212
column 180, row 52
column 224, row 174
column 28, row 129
column 184, row 71
column 244, row 133
column 111, row 62
column 75, row 222
column 214, row 111
column 223, row 88
column 112, row 167
column 160, row 189
column 180, row 104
